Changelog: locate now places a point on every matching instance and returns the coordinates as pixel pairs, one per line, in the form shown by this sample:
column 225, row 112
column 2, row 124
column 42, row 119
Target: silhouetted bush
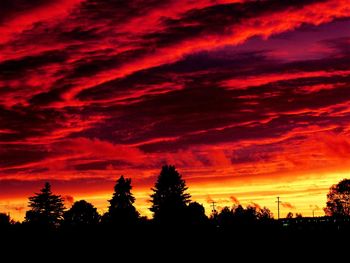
column 239, row 216
column 81, row 213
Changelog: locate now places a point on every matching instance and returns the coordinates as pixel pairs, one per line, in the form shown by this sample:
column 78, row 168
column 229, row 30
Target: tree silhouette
column 264, row 214
column 226, row 217
column 169, row 200
column 239, row 215
column 46, row 208
column 338, row 199
column 81, row 213
column 4, row 220
column 250, row 214
column 298, row 215
column 121, row 209
column 196, row 213
column 289, row 215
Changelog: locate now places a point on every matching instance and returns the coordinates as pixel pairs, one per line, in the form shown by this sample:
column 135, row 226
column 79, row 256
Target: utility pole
column 213, row 206
column 278, row 206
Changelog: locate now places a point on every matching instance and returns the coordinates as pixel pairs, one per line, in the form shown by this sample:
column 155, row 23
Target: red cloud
column 68, row 199
column 336, row 146
column 234, row 200
column 264, row 24
column 288, row 205
column 99, row 149
column 24, row 19
column 238, row 83
column 170, row 9
column 257, row 206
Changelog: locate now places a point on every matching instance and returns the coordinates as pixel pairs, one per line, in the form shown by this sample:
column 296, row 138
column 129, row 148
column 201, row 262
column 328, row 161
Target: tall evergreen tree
column 169, row 200
column 46, row 209
column 121, row 209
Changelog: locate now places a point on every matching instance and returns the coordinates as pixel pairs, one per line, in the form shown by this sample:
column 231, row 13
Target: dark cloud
column 10, row 8
column 203, row 104
column 340, row 45
column 14, row 69
column 216, row 19
column 23, row 123
column 100, row 165
column 12, row 188
column 18, row 155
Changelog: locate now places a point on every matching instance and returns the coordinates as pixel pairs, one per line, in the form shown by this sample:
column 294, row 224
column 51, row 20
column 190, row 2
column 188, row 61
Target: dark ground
column 170, row 244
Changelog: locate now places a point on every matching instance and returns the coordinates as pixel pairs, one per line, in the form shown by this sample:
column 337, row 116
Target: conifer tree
column 46, row 209
column 169, row 200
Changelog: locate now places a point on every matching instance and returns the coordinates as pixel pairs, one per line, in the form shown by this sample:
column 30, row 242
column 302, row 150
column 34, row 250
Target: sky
column 250, row 100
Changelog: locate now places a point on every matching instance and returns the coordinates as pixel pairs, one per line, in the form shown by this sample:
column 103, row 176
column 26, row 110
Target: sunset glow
column 250, row 100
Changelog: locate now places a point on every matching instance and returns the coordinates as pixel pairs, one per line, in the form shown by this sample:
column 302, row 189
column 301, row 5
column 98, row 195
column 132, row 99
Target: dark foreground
column 176, row 244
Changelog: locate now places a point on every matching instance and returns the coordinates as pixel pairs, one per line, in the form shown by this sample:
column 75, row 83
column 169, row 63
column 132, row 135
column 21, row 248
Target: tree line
column 171, row 204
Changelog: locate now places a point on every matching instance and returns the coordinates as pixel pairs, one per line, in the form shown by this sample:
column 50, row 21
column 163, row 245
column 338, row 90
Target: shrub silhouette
column 298, row 215
column 289, row 215
column 239, row 215
column 196, row 214
column 81, row 213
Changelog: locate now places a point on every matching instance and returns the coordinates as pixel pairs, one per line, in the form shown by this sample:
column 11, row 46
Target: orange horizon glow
column 297, row 195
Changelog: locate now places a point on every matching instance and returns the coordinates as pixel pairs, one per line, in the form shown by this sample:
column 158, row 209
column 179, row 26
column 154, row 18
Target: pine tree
column 121, row 209
column 169, row 200
column 46, row 208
